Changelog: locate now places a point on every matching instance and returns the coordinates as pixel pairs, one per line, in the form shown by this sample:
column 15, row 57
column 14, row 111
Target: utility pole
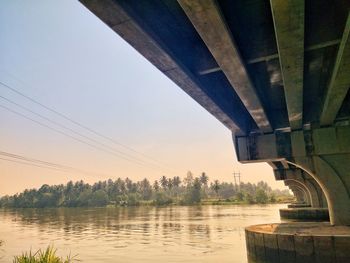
column 235, row 177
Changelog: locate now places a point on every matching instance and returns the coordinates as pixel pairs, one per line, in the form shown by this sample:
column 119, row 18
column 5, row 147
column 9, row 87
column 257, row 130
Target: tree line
column 125, row 192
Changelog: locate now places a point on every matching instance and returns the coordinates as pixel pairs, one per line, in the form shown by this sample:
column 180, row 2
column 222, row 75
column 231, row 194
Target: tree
column 164, row 182
column 249, row 198
column 128, row 184
column 176, row 181
column 193, row 195
column 145, row 189
column 188, row 181
column 84, row 197
column 126, row 192
column 162, row 199
column 239, row 196
column 170, row 184
column 261, row 196
column 272, row 198
column 216, row 187
column 204, row 179
column 133, row 199
column 98, row 198
column 156, row 186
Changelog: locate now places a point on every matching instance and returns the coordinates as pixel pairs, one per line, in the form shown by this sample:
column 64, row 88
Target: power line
column 77, row 123
column 44, row 164
column 70, row 136
column 36, row 165
column 40, row 162
column 73, row 131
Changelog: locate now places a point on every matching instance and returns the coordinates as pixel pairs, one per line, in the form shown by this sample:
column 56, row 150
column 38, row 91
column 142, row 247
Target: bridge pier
column 301, row 187
column 317, row 196
column 330, row 171
column 296, row 178
column 314, row 163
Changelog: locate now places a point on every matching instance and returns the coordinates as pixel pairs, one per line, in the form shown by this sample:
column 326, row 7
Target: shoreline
column 151, row 204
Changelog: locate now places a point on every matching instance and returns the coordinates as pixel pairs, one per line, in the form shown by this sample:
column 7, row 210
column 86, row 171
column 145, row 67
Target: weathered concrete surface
column 298, row 243
column 224, row 49
column 323, row 153
column 300, row 205
column 299, row 195
column 288, row 18
column 305, row 213
column 317, row 196
column 301, row 187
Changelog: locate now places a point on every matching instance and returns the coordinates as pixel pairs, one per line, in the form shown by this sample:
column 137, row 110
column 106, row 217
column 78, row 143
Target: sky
column 62, row 56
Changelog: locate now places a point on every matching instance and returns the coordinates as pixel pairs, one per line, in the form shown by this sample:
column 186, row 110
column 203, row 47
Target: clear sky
column 61, row 55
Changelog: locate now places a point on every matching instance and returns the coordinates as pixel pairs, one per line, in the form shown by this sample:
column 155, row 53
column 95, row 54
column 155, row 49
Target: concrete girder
column 340, row 80
column 317, row 195
column 324, row 153
column 274, row 56
column 301, row 188
column 113, row 14
column 288, row 18
column 207, row 19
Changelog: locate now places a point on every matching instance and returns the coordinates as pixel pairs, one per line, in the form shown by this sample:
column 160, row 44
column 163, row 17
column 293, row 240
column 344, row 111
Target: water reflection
column 147, row 234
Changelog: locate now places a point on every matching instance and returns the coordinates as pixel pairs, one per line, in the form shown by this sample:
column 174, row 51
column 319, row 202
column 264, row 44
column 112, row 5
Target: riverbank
column 212, row 201
column 173, row 202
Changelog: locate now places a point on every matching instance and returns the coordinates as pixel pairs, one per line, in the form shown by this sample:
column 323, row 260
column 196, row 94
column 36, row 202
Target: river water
column 137, row 234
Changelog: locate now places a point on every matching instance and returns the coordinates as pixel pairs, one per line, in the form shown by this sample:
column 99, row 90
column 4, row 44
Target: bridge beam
column 141, row 38
column 211, row 26
column 288, row 18
column 340, row 80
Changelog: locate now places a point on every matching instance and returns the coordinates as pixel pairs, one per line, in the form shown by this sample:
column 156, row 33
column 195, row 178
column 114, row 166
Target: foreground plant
column 46, row 256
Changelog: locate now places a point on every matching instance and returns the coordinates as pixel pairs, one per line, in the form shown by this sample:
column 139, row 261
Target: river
column 136, row 234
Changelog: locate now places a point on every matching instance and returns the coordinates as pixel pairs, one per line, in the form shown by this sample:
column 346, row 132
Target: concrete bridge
column 276, row 73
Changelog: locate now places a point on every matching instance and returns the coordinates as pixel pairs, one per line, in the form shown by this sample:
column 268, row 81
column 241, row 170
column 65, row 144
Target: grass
column 42, row 256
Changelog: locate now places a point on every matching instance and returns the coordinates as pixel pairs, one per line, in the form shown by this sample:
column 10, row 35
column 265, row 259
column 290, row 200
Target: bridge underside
column 276, row 73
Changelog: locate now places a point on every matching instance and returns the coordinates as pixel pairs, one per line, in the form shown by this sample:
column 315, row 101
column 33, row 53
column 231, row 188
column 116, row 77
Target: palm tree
column 216, row 187
column 188, row 180
column 204, row 179
column 156, row 186
column 176, row 181
column 170, row 183
column 164, row 182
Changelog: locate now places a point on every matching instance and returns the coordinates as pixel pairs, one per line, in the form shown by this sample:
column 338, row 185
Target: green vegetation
column 189, row 191
column 46, row 256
